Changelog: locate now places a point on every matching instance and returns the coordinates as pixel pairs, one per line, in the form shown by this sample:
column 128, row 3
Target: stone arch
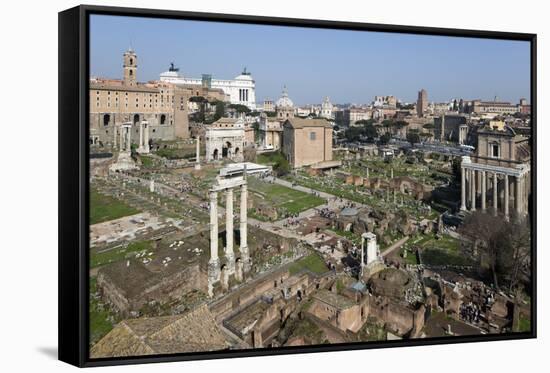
column 227, row 150
column 136, row 119
column 237, row 150
column 106, row 119
column 215, row 154
column 163, row 119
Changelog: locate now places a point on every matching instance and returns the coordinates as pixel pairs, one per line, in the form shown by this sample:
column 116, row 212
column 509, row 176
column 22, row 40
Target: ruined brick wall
column 112, row 294
column 174, row 286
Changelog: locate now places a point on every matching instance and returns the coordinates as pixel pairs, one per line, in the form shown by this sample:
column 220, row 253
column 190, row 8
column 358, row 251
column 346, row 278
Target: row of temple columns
column 125, row 137
column 476, row 182
column 214, row 269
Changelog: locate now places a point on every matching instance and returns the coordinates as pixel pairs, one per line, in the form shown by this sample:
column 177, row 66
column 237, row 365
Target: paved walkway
column 394, row 246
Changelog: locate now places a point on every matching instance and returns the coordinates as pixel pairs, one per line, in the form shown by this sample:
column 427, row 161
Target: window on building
column 495, row 150
column 312, row 136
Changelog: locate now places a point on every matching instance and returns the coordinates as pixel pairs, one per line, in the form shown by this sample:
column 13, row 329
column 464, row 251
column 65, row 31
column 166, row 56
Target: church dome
column 284, row 101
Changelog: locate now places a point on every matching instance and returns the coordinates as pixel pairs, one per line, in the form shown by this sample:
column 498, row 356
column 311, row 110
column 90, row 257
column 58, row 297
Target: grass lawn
column 105, row 208
column 290, row 200
column 444, row 251
column 100, row 324
column 147, row 162
column 524, row 323
column 101, row 258
column 312, row 262
column 411, row 257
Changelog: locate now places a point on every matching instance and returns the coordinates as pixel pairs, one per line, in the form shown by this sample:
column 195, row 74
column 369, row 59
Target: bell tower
column 130, row 67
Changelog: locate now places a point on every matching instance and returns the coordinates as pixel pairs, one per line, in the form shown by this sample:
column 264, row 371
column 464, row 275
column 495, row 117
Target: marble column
column 506, row 198
column 122, row 141
column 198, row 154
column 214, row 226
column 214, row 262
column 391, row 173
column 367, row 172
column 463, row 189
column 140, row 147
column 146, row 137
column 229, row 254
column 483, row 190
column 114, row 136
column 517, row 198
column 128, row 139
column 473, row 190
column 495, row 193
column 245, row 255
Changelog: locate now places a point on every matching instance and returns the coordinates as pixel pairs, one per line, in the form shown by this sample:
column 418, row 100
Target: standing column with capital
column 506, row 198
column 245, row 255
column 128, row 139
column 483, row 190
column 463, row 189
column 214, row 262
column 229, row 254
column 495, row 193
column 146, row 137
column 473, row 190
column 114, row 136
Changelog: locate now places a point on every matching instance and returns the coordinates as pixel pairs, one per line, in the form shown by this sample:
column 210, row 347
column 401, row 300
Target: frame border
column 73, row 228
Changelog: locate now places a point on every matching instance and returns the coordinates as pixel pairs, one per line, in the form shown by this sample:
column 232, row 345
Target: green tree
column 370, row 131
column 385, row 138
column 413, row 137
column 281, row 166
column 239, row 108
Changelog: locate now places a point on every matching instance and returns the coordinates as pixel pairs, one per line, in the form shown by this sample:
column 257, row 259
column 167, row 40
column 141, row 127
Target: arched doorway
column 215, row 154
column 237, row 152
column 106, row 119
column 136, row 119
column 226, row 150
column 163, row 119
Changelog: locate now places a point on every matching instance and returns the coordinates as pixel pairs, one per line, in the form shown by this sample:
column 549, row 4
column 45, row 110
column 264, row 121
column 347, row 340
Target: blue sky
column 347, row 66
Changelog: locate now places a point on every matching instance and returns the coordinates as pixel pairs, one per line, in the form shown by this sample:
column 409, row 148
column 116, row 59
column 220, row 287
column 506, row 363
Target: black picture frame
column 74, row 186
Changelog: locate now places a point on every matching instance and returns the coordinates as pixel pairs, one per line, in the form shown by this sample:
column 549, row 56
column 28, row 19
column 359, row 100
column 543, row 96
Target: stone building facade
column 113, row 102
column 451, row 127
column 307, row 141
column 240, row 90
column 422, row 102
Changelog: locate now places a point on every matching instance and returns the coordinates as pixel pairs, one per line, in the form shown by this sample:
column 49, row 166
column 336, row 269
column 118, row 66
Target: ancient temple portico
column 505, row 186
column 220, row 269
